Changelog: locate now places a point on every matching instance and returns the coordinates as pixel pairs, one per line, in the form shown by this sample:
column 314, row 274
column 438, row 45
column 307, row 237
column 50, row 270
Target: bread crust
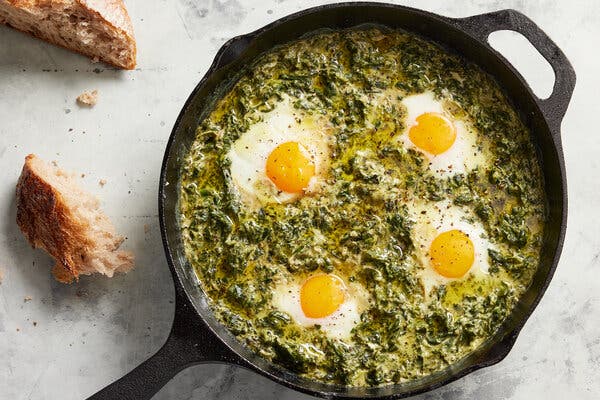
column 41, row 214
column 48, row 223
column 110, row 12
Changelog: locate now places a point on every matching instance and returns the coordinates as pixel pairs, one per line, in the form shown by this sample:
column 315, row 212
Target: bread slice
column 100, row 29
column 55, row 214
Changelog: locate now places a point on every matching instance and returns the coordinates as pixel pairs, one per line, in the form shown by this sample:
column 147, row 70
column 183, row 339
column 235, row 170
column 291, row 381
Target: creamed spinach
column 359, row 227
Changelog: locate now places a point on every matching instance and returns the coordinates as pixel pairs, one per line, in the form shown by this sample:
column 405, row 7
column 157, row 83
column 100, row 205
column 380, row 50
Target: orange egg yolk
column 433, row 133
column 289, row 168
column 321, row 295
column 452, row 253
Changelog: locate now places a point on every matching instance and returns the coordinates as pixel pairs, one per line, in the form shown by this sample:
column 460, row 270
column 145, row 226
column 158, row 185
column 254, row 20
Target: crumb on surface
column 102, row 182
column 146, row 228
column 95, row 60
column 26, row 299
column 88, row 98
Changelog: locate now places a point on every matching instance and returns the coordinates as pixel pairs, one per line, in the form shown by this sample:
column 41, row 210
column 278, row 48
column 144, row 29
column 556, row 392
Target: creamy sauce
column 360, row 224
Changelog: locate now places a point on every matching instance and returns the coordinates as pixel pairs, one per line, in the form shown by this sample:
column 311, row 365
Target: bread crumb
column 146, row 228
column 34, row 323
column 26, row 299
column 95, row 60
column 102, row 182
column 88, row 98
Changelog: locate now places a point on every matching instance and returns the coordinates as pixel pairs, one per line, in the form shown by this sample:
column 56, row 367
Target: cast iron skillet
column 196, row 336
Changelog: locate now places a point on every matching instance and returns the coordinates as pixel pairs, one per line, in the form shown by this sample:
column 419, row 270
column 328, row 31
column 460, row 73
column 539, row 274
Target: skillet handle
column 190, row 342
column 555, row 106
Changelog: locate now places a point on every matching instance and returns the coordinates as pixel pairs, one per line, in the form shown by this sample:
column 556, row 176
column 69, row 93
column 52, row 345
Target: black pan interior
column 243, row 50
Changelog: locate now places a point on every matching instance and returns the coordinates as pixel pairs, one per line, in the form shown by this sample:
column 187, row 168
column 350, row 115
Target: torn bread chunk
column 55, row 214
column 99, row 29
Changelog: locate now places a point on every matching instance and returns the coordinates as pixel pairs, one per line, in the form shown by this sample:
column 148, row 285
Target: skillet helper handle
column 231, row 50
column 555, row 106
column 190, row 342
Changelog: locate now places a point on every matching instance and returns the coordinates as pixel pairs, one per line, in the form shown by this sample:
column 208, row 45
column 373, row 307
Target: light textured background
column 69, row 341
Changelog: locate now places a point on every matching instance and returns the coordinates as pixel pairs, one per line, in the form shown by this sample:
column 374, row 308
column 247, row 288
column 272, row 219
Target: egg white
column 432, row 219
column 249, row 153
column 463, row 156
column 338, row 325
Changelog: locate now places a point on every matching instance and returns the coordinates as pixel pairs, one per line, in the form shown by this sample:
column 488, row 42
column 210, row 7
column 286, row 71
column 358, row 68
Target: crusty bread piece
column 55, row 214
column 100, row 29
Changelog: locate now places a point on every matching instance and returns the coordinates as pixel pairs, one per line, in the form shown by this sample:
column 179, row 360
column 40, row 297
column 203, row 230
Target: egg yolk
column 452, row 253
column 289, row 168
column 433, row 133
column 321, row 295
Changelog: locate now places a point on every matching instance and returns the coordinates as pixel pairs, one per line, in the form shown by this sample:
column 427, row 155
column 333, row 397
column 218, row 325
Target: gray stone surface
column 69, row 341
